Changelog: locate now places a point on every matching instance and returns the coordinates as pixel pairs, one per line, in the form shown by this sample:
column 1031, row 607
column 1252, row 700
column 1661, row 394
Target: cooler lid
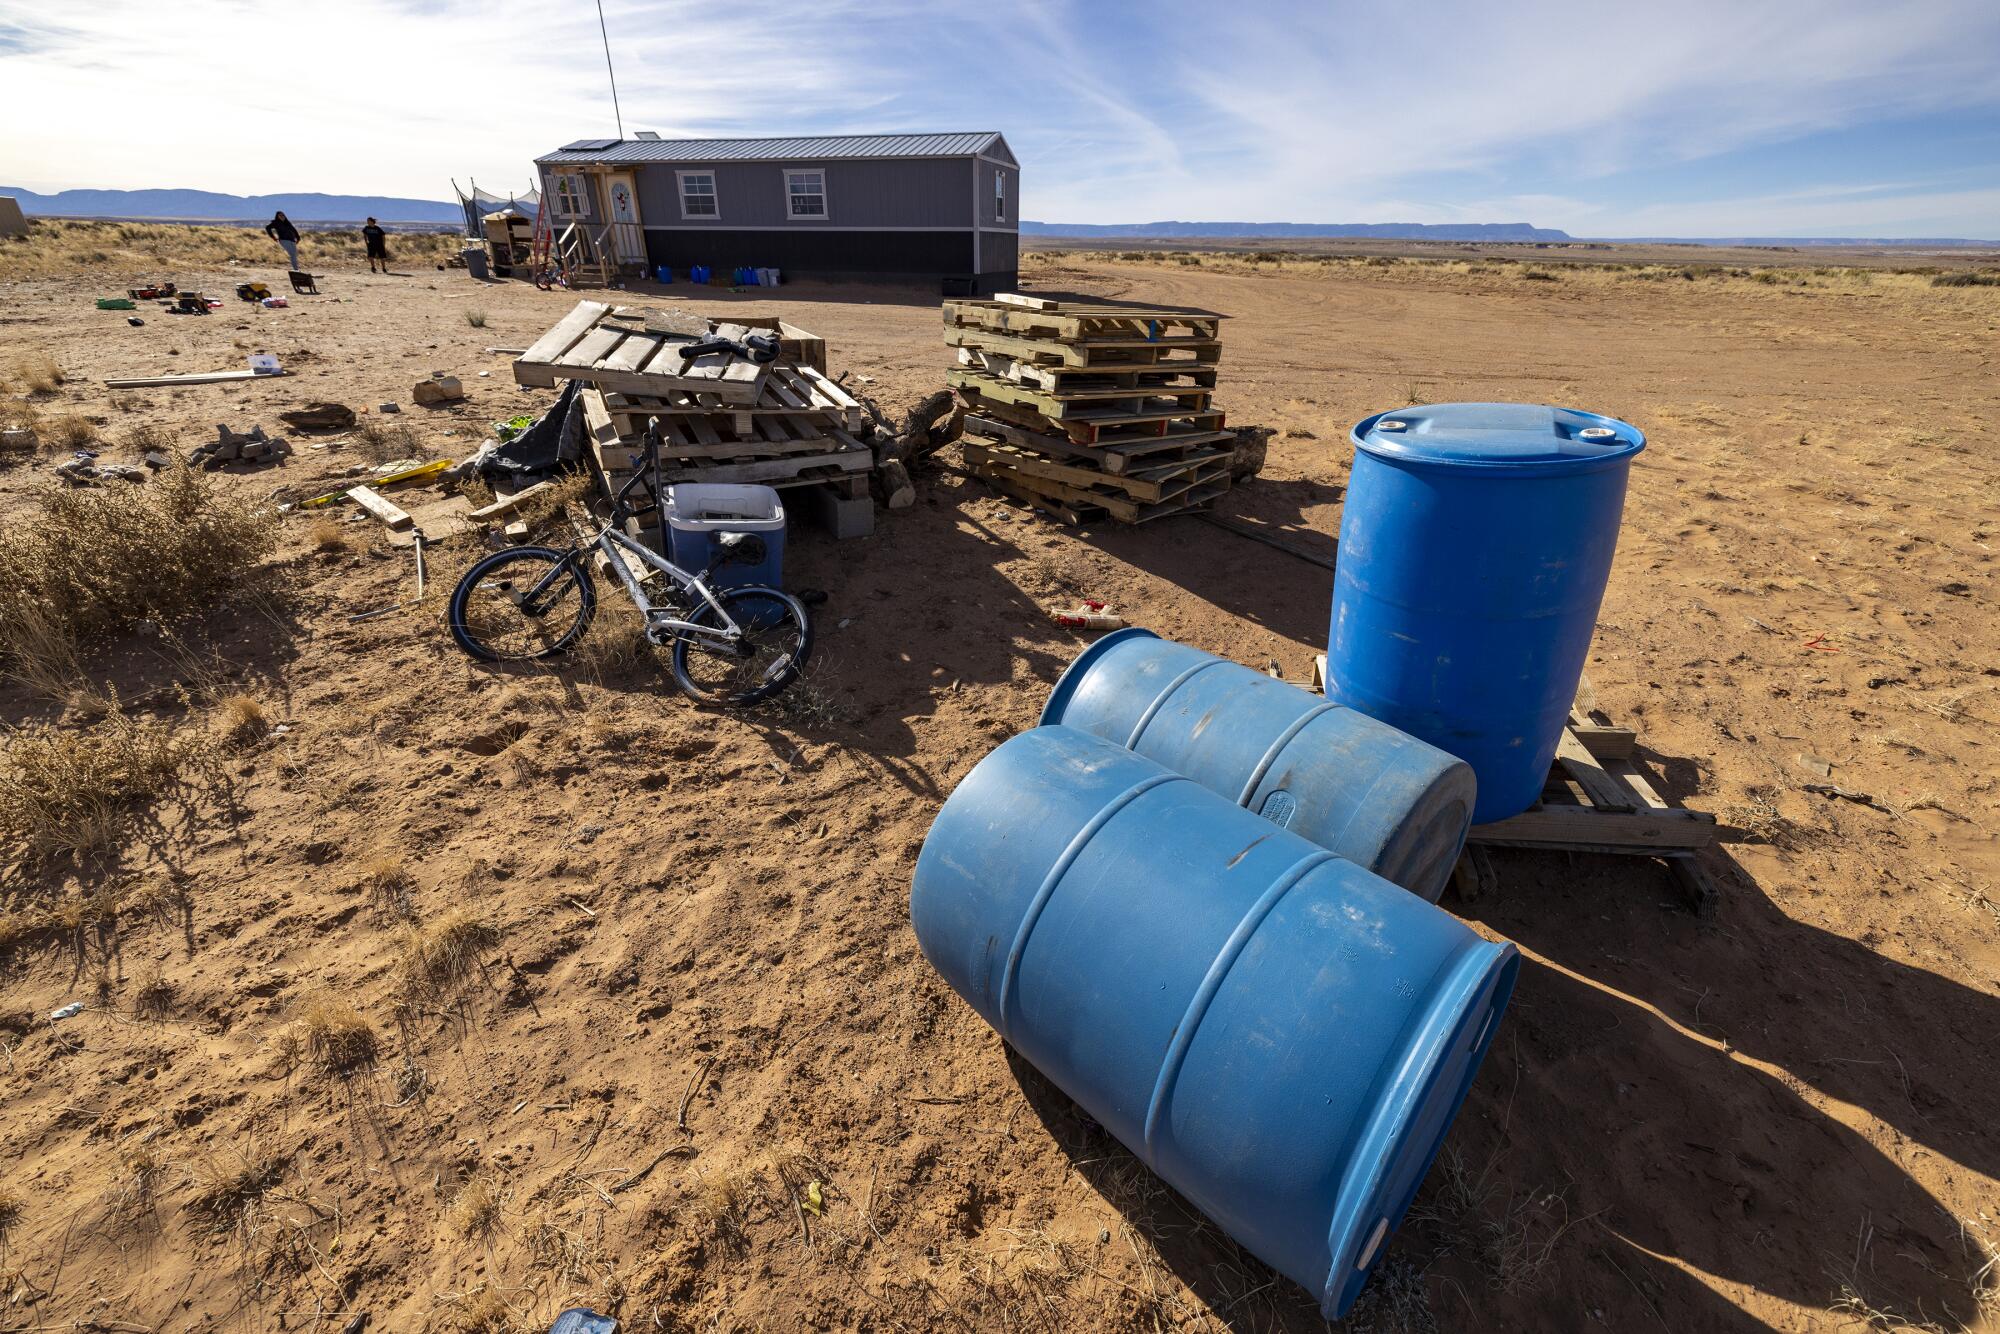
column 1522, row 436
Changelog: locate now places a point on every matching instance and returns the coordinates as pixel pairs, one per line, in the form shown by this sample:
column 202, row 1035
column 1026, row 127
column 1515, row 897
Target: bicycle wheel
column 497, row 614
column 777, row 639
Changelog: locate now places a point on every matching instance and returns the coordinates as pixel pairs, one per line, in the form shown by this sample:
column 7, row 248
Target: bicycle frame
column 612, row 542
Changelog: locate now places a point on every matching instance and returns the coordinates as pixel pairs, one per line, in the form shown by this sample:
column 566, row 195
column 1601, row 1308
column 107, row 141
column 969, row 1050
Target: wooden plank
column 1603, row 740
column 1605, row 791
column 392, row 515
column 634, row 352
column 1580, row 827
column 593, row 347
column 212, row 377
column 1117, row 457
column 1122, row 508
column 508, row 504
column 559, row 339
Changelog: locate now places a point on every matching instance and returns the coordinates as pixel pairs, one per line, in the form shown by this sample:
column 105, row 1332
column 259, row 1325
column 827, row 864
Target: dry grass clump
column 722, row 1203
column 88, row 563
column 224, row 1194
column 392, row 888
column 70, row 791
column 243, row 718
column 34, row 373
column 476, row 318
column 481, row 1312
column 440, row 956
column 1970, row 278
column 475, row 1211
column 384, row 441
column 334, row 1036
column 331, row 536
column 70, row 430
column 11, row 1209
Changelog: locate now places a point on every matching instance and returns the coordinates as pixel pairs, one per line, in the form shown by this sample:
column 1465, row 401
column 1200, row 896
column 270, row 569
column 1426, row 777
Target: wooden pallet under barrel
column 1597, row 799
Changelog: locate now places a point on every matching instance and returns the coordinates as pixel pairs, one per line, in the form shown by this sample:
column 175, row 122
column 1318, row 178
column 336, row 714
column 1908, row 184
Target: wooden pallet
column 1080, row 504
column 789, row 391
column 1095, row 353
column 1597, row 799
column 802, row 462
column 1086, row 405
column 1097, row 425
column 1117, row 457
column 1074, row 322
column 622, row 354
column 1073, row 381
column 1161, row 482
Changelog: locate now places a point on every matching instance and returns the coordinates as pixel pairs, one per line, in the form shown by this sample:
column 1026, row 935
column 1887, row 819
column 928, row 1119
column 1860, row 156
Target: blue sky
column 1758, row 117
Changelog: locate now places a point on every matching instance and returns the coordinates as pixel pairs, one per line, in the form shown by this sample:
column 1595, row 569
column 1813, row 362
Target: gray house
column 936, row 207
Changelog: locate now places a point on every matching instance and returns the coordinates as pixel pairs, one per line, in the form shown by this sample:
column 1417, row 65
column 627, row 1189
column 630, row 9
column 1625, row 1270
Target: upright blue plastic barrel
column 1385, row 801
column 1475, row 542
column 1282, row 1036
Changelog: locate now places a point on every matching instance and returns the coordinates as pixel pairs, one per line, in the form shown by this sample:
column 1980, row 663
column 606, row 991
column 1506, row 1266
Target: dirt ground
column 705, row 999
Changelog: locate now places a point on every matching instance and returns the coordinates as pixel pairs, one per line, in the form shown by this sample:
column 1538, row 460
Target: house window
column 805, row 193
column 999, row 196
column 569, row 196
column 698, row 195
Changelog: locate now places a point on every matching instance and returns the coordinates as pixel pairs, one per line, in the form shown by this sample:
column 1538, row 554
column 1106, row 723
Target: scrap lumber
column 393, row 516
column 508, row 504
column 210, row 377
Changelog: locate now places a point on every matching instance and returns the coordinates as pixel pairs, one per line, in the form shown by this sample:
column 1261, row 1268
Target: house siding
column 988, row 211
column 809, row 254
column 928, row 192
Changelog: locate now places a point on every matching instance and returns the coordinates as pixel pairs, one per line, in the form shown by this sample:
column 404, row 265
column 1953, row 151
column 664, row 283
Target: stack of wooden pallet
column 1091, row 411
column 722, row 418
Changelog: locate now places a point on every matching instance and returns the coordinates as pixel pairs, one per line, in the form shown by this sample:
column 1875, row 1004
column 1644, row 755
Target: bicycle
column 535, row 602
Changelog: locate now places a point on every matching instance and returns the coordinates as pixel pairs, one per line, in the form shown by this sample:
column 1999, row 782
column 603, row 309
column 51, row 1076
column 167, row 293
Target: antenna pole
column 606, row 33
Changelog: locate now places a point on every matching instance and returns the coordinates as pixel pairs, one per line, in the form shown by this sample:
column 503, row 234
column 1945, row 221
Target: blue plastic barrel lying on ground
column 1385, row 801
column 1475, row 542
column 1282, row 1036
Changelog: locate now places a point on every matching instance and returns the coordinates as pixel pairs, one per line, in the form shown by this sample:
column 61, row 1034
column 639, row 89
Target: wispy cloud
column 1562, row 112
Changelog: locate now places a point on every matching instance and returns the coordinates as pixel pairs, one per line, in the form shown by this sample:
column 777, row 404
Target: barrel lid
column 1059, row 698
column 1412, row 1114
column 1524, row 437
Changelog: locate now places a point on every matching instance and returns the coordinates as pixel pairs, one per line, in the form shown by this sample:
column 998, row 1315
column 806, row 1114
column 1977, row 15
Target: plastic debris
column 815, row 1199
column 69, row 1011
column 1090, row 614
column 582, row 1320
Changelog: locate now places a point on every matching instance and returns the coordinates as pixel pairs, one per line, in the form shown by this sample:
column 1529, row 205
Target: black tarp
column 553, row 444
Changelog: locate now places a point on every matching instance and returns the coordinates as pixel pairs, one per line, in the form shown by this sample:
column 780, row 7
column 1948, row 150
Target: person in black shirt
column 378, row 246
column 280, row 229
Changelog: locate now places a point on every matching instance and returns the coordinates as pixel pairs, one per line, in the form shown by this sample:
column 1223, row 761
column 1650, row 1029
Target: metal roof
column 805, row 148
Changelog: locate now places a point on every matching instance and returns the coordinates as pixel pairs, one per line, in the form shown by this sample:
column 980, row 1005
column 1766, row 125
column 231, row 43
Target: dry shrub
column 244, row 718
column 11, row 1209
column 69, row 791
column 334, row 1036
column 476, row 318
column 539, row 509
column 440, row 956
column 34, row 373
column 149, row 436
column 91, row 562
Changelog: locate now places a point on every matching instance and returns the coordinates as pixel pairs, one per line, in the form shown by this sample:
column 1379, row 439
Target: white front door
column 622, row 203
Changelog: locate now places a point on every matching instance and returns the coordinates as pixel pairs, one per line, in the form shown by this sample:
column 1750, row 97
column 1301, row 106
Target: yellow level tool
column 418, row 473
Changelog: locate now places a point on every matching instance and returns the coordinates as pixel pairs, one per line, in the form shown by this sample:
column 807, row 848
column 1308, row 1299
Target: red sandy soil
column 1783, row 1117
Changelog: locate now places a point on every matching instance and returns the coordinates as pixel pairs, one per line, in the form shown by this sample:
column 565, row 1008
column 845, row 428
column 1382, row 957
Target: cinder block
column 840, row 515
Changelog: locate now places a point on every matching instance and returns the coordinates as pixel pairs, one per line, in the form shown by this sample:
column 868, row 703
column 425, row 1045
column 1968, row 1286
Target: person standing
column 378, row 246
column 280, row 229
